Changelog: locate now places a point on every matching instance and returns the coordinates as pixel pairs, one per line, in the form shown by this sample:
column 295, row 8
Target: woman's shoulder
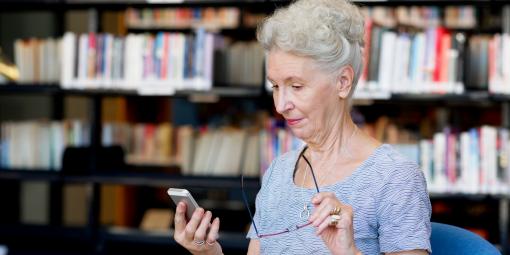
column 397, row 179
column 390, row 165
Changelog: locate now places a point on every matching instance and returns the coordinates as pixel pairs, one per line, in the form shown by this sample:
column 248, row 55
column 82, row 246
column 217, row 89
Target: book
column 157, row 219
column 75, row 204
column 40, row 144
column 107, row 205
column 35, row 202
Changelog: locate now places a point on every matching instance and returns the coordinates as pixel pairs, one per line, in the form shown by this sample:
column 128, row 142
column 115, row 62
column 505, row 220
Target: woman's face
column 303, row 94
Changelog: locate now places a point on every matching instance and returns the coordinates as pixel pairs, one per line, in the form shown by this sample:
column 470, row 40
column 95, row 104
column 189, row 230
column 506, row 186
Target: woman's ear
column 344, row 81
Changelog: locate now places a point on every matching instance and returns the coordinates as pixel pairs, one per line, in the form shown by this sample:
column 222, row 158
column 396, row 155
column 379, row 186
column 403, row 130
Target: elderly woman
column 344, row 192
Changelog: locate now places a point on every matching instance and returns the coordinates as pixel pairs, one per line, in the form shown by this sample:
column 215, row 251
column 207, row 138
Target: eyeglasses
column 290, row 228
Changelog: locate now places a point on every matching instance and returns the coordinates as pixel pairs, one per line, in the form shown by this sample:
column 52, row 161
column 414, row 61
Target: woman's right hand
column 198, row 235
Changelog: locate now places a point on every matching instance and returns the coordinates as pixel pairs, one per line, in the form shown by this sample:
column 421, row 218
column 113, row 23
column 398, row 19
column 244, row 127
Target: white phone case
column 178, row 195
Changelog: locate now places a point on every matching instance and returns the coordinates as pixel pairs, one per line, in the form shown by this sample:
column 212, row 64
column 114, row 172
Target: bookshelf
column 96, row 238
column 142, row 179
column 221, row 91
column 230, row 239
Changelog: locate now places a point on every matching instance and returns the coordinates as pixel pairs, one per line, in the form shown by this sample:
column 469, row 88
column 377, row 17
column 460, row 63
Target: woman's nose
column 283, row 102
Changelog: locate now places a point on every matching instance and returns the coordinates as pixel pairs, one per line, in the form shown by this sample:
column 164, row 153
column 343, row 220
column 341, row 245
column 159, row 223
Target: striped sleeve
column 404, row 211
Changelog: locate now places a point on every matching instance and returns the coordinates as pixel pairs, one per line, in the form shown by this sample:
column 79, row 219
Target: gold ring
column 334, row 219
column 335, row 211
column 333, row 222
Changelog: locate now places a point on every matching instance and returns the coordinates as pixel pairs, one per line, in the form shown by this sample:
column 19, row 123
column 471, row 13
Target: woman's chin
column 299, row 133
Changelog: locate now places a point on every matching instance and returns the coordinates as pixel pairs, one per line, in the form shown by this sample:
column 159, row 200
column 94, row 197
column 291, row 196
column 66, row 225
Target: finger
column 322, row 214
column 319, row 197
column 192, row 225
column 323, row 225
column 316, row 212
column 202, row 228
column 180, row 218
column 213, row 232
column 325, row 203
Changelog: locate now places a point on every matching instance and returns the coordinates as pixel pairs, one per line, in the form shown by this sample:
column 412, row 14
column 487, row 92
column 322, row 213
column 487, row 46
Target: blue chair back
column 448, row 240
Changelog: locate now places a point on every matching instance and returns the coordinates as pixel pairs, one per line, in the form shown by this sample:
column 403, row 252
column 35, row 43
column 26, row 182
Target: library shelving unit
column 95, row 239
column 92, row 238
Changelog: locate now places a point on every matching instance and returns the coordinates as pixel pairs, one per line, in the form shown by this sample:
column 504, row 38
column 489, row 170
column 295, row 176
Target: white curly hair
column 331, row 32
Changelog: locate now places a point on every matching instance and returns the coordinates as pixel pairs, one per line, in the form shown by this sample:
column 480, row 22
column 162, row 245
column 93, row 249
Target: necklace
column 305, row 213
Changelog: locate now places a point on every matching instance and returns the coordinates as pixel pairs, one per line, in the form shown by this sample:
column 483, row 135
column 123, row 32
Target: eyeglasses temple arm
column 248, row 206
column 313, row 175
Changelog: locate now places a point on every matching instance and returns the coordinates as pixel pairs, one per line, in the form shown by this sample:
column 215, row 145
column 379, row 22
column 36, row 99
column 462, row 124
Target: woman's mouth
column 292, row 122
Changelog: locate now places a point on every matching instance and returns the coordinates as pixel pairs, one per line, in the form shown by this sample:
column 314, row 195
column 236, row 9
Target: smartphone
column 178, row 195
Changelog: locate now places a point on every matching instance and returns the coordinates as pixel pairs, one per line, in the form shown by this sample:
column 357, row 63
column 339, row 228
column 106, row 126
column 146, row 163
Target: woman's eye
column 297, row 87
column 274, row 86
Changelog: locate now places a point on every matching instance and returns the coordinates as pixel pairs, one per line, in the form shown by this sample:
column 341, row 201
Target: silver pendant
column 305, row 213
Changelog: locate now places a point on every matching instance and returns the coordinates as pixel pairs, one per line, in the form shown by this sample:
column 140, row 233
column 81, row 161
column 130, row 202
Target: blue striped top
column 388, row 194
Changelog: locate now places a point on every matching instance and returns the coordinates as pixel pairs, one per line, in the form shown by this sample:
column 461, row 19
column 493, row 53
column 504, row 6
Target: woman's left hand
column 339, row 237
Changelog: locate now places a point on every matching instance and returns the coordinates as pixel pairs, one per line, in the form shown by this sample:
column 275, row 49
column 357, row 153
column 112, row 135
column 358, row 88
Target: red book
column 439, row 54
column 446, row 44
